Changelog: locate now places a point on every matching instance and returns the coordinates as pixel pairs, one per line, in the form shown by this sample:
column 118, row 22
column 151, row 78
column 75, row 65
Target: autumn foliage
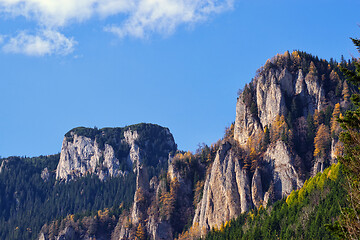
column 321, row 141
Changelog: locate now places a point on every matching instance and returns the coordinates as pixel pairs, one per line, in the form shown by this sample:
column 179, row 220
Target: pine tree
column 350, row 221
column 266, row 140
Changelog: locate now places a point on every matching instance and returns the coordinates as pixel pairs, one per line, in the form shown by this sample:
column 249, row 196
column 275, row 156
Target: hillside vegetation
column 28, row 201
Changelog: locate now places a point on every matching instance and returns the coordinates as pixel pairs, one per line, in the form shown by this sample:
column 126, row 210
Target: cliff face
column 231, row 189
column 83, row 156
column 273, row 88
column 226, row 190
column 113, row 152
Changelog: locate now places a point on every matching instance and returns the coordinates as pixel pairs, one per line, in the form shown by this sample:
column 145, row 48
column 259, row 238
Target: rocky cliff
column 111, row 152
column 226, row 190
column 279, row 84
column 230, row 187
column 277, row 140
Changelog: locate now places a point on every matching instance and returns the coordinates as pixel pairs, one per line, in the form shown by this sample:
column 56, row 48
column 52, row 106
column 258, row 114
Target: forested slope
column 27, row 201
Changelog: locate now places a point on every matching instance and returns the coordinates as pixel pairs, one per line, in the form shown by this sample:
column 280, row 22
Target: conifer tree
column 350, row 221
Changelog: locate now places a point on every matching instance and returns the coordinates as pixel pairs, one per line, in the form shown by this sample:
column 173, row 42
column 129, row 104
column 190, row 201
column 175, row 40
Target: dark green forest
column 27, row 201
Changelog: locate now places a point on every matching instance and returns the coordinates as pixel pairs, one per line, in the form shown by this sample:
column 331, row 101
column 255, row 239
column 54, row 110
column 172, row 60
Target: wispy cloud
column 45, row 42
column 141, row 18
column 163, row 16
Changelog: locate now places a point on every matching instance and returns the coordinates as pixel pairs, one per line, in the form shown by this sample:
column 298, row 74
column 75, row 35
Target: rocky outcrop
column 83, row 156
column 226, row 191
column 256, row 189
column 134, row 153
column 142, row 192
column 3, row 165
column 67, row 233
column 273, row 87
column 111, row 152
column 279, row 161
column 246, row 124
column 145, row 149
column 146, row 208
column 45, row 174
column 318, row 166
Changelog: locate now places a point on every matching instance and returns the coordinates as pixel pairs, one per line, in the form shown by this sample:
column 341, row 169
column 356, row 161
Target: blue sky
column 178, row 64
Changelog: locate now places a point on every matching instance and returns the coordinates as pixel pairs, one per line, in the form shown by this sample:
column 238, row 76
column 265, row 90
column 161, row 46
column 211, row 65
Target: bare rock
column 226, row 191
column 270, row 95
column 245, row 125
column 318, row 166
column 45, row 174
column 256, row 189
column 67, row 233
column 284, row 175
column 83, row 156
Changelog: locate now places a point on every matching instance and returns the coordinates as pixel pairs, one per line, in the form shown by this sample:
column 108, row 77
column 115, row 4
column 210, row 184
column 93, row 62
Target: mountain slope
column 304, row 214
column 285, row 131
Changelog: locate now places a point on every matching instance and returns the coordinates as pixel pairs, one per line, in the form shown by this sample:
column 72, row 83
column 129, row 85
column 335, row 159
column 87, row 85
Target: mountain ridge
column 284, row 132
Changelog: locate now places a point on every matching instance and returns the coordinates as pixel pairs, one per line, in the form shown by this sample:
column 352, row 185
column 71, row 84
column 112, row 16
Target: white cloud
column 163, row 16
column 141, row 18
column 1, row 39
column 45, row 42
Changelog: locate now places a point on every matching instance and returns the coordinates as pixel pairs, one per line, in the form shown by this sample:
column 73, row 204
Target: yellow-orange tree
column 321, row 141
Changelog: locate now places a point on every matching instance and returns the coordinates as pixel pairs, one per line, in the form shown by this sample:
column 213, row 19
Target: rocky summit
column 111, row 152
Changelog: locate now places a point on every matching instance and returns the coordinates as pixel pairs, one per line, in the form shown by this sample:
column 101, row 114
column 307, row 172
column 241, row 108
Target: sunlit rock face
column 112, row 152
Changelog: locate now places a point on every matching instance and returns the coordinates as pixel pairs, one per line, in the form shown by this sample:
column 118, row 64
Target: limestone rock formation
column 84, row 156
column 273, row 87
column 245, row 124
column 226, row 191
column 111, row 152
column 284, row 175
column 256, row 189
